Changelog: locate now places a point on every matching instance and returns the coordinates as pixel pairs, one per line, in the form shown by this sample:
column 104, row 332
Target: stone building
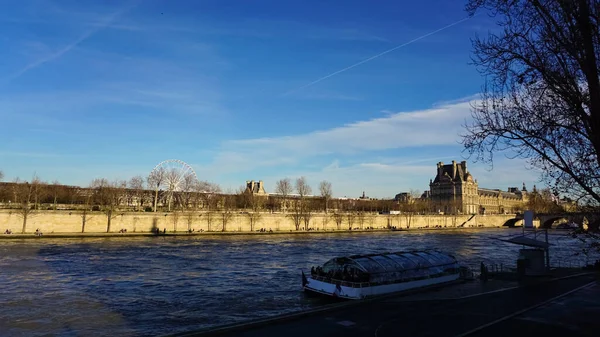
column 455, row 190
column 255, row 187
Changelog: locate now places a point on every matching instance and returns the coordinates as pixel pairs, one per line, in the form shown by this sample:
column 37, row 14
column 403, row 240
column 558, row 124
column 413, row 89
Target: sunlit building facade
column 454, row 190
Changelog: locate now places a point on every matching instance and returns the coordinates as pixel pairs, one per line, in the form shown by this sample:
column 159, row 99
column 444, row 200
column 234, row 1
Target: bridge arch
column 512, row 222
column 547, row 222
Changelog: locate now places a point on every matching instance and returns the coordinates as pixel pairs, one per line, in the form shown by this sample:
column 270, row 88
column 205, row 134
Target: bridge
column 550, row 220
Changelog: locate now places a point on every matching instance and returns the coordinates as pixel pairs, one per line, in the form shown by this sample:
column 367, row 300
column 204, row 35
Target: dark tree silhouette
column 541, row 98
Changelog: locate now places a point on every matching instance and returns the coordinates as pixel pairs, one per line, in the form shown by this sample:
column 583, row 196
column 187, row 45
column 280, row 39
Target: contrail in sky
column 378, row 55
column 105, row 22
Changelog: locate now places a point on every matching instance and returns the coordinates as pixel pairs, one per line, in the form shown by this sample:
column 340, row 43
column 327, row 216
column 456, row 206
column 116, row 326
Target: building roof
column 453, row 172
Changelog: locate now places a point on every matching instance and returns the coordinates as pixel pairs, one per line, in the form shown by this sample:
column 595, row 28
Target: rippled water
column 162, row 285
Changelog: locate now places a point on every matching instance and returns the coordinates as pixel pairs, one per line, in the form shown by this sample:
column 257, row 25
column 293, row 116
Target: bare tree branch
column 541, row 99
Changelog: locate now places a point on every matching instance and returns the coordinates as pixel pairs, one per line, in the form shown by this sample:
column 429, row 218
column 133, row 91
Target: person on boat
column 484, row 272
column 338, row 290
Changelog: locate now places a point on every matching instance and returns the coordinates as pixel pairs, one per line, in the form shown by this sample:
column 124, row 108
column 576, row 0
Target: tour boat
column 361, row 276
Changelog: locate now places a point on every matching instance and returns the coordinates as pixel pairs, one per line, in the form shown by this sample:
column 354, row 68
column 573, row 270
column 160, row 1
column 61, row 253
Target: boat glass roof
column 402, row 261
column 395, row 262
column 370, row 265
column 387, row 263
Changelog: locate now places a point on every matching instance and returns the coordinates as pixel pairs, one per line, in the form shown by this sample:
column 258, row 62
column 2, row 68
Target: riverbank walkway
column 565, row 306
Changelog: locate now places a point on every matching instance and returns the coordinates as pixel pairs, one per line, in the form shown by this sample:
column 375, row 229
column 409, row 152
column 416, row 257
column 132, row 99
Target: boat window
column 397, row 263
column 430, row 258
column 333, row 266
column 401, row 259
column 370, row 265
column 389, row 265
column 421, row 262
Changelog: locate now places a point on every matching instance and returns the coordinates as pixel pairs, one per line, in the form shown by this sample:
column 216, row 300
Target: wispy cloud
column 437, row 126
column 104, row 22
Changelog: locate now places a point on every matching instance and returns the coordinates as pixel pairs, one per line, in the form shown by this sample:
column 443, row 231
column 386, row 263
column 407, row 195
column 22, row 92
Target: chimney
column 453, row 169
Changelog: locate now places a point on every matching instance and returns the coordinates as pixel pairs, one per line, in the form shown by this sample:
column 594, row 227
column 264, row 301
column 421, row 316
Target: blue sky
column 93, row 89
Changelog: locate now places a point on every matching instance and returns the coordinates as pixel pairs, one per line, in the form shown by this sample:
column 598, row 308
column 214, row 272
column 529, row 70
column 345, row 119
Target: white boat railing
column 352, row 284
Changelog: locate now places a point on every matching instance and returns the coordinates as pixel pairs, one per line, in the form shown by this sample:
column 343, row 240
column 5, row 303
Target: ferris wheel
column 172, row 175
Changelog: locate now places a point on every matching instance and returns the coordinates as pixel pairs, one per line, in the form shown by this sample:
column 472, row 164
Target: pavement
column 562, row 307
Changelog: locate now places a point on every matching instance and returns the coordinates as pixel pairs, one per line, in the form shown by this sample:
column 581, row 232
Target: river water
column 161, row 285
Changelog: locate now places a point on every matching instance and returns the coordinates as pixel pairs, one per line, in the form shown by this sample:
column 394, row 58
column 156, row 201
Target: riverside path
column 508, row 311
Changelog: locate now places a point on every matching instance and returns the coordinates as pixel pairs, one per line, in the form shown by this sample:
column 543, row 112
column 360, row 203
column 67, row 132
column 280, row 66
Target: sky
column 366, row 95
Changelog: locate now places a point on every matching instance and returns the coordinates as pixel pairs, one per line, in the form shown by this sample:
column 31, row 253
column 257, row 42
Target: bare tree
column 38, row 190
column 256, row 203
column 1, row 175
column 541, row 100
column 243, row 197
column 209, row 193
column 228, row 204
column 108, row 196
column 24, row 195
column 326, row 192
column 308, row 206
column 189, row 184
column 543, row 201
column 71, row 194
column 324, row 222
column 338, row 218
column 172, row 179
column 209, row 216
column 410, row 207
column 56, row 190
column 155, row 180
column 302, row 187
column 283, row 187
column 210, row 196
column 189, row 217
column 296, row 213
column 175, row 219
column 271, row 204
column 136, row 188
column 361, row 217
column 350, row 217
column 303, row 205
column 84, row 197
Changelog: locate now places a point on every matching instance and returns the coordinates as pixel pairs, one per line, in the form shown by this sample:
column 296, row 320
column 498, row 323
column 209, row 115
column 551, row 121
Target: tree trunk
column 590, row 71
column 24, row 223
column 83, row 220
column 155, row 199
column 109, row 215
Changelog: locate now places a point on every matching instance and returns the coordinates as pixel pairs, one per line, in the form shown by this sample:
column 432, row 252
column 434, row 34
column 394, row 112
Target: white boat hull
column 353, row 293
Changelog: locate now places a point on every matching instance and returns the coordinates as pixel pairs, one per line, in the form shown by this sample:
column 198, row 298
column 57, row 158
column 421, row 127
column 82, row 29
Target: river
column 160, row 285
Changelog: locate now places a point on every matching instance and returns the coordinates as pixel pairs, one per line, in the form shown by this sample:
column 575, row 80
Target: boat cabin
column 387, row 267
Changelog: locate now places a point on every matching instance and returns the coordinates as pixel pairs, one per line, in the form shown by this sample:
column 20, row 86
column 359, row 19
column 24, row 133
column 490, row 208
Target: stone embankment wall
column 96, row 222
